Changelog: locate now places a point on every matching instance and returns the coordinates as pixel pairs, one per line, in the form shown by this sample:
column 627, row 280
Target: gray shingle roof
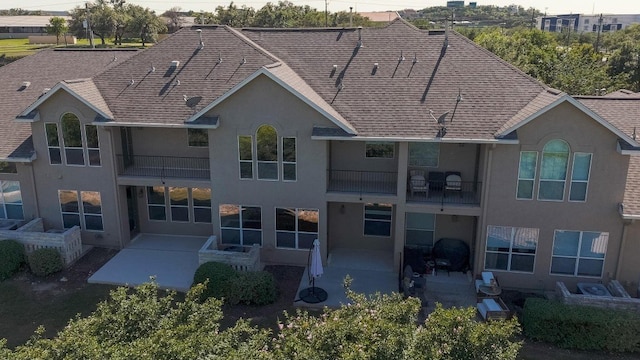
column 43, row 70
column 621, row 112
column 632, row 190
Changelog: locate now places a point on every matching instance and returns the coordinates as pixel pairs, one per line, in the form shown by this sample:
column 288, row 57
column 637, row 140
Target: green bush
column 256, row 288
column 11, row 258
column 219, row 278
column 44, row 262
column 581, row 327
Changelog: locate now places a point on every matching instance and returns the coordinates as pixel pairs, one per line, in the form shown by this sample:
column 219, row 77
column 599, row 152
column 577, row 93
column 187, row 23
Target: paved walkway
column 172, row 260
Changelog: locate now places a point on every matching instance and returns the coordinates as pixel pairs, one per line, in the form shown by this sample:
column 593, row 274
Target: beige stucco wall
column 629, row 269
column 350, row 155
column 346, row 229
column 598, row 213
column 24, row 175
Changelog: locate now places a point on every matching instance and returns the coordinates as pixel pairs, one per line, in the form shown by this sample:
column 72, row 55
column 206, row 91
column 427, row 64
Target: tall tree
column 175, row 19
column 99, row 15
column 57, row 26
column 145, row 24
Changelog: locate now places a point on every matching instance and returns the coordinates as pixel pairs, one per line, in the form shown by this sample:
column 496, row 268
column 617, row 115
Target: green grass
column 16, row 48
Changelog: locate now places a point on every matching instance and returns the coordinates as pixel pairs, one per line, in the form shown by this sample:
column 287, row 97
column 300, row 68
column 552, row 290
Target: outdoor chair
column 487, row 286
column 413, row 284
column 418, row 183
column 453, row 182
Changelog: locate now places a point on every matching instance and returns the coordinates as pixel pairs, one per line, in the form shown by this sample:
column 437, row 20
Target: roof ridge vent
column 175, row 63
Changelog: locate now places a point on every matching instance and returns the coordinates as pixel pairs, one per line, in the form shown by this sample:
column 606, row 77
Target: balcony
column 362, row 182
column 163, row 166
column 463, row 193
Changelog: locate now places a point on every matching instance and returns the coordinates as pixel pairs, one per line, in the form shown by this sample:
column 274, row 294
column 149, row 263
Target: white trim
column 294, row 163
column 627, row 152
column 19, row 160
column 88, row 149
column 49, row 147
column 171, row 206
column 264, row 71
column 577, row 256
column 48, row 94
column 573, row 166
column 510, row 253
column 416, row 139
column 581, row 107
column 240, row 228
column 566, row 172
column 535, row 173
column 297, row 231
column 164, row 196
column 240, row 161
column 153, row 125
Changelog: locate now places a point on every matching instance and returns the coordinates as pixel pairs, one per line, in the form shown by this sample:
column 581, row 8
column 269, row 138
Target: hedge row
column 235, row 287
column 11, row 258
column 581, row 327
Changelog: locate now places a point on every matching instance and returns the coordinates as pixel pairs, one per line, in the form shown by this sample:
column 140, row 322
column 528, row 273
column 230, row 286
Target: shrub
column 44, row 262
column 256, row 288
column 11, row 258
column 581, row 327
column 219, row 278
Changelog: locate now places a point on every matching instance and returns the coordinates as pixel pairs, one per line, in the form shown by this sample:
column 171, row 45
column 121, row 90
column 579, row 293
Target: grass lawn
column 12, row 48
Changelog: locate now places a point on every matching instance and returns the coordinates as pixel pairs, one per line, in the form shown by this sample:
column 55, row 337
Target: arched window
column 72, row 139
column 553, row 170
column 267, row 152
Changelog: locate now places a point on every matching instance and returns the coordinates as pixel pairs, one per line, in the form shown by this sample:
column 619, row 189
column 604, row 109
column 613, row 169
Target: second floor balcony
column 163, row 166
column 443, row 192
column 362, row 182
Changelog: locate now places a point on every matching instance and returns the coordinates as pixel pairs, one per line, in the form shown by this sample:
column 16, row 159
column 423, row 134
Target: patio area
column 172, row 260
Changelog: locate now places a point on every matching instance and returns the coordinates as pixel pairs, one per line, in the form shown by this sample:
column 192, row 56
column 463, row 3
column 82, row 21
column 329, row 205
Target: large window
column 185, row 204
column 245, row 156
column 267, row 151
column 296, row 228
column 553, row 171
column 511, row 248
column 379, row 149
column 198, row 137
column 420, row 230
column 579, row 253
column 179, row 202
column 424, row 154
column 580, row 177
column 241, row 225
column 72, row 139
column 289, row 159
column 156, row 203
column 526, row 174
column 93, row 146
column 377, row 219
column 201, row 205
column 88, row 216
column 10, row 200
column 53, row 143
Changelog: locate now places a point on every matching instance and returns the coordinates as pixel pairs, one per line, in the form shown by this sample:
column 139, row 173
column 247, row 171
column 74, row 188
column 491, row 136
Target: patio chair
column 413, row 285
column 453, row 182
column 487, row 286
column 418, row 183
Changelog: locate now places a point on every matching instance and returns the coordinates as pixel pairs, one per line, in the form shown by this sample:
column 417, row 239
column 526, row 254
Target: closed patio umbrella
column 314, row 294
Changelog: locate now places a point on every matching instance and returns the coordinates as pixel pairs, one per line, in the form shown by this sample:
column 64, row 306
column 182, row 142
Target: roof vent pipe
column 359, row 44
column 350, row 16
column 26, row 84
column 446, row 34
column 201, row 46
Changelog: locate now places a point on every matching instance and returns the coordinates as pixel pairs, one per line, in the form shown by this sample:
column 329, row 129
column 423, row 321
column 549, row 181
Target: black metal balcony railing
column 163, row 166
column 441, row 192
column 362, row 182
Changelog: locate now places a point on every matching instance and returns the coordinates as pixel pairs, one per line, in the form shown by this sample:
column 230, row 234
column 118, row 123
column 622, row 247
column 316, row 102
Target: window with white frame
column 53, row 143
column 553, row 170
column 88, row 216
column 379, row 150
column 420, row 230
column 241, row 225
column 377, row 219
column 201, row 205
column 289, row 171
column 93, row 146
column 198, row 137
column 580, row 176
column 511, row 248
column 72, row 139
column 267, row 152
column 245, row 156
column 579, row 253
column 10, row 200
column 296, row 228
column 526, row 174
column 156, row 203
column 424, row 154
column 179, row 203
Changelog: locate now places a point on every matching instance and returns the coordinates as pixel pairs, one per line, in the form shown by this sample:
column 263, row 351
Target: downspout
column 623, row 242
column 480, row 240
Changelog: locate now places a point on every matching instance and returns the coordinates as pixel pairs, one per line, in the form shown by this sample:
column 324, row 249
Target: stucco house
column 276, row 137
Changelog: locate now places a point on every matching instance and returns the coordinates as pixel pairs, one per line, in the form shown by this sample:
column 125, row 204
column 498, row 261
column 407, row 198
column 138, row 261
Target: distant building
column 21, row 27
column 473, row 4
column 455, row 4
column 380, row 16
column 586, row 23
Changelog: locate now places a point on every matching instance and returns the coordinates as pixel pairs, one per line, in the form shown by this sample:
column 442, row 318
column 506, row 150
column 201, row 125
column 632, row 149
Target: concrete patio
column 172, row 260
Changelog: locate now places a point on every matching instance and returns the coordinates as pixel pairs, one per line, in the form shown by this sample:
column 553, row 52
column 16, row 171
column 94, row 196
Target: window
column 198, row 137
column 179, row 202
column 579, row 253
column 586, row 21
column 296, row 228
column 289, row 159
column 580, row 177
column 156, row 203
column 526, row 174
column 201, row 205
column 72, row 139
column 53, row 143
column 511, row 248
column 267, row 151
column 420, row 230
column 87, row 217
column 245, row 155
column 93, row 147
column 10, row 200
column 380, row 150
column 553, row 170
column 241, row 225
column 7, row 167
column 424, row 154
column 377, row 219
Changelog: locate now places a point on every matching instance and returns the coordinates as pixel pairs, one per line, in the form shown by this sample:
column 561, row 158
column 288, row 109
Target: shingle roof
column 621, row 112
column 87, row 89
column 632, row 190
column 623, row 93
column 394, row 99
column 43, row 70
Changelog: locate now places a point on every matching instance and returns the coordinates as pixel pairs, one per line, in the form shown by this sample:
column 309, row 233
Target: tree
column 175, row 19
column 205, row 17
column 234, row 16
column 57, row 26
column 144, row 24
column 101, row 17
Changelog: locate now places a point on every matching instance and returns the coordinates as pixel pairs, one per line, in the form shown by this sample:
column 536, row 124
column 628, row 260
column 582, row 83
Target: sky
column 548, row 6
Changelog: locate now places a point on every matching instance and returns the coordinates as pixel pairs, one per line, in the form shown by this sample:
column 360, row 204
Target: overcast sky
column 550, row 6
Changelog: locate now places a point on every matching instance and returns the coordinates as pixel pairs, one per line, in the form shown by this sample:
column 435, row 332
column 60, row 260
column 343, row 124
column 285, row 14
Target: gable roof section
column 621, row 112
column 630, row 208
column 43, row 69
